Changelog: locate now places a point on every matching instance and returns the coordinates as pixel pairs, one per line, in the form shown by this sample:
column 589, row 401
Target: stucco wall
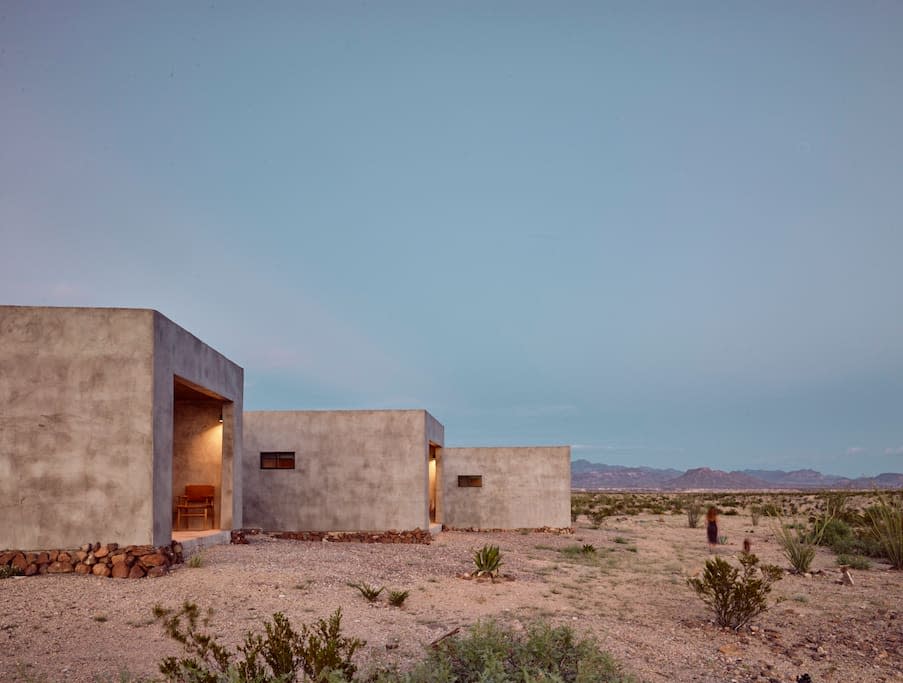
column 179, row 353
column 75, row 426
column 86, row 424
column 525, row 487
column 354, row 470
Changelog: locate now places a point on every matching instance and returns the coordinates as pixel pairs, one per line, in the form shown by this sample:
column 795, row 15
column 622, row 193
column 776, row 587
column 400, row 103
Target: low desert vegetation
column 317, row 652
column 487, row 561
column 321, row 653
column 397, row 598
column 370, row 593
column 735, row 595
column 489, row 652
column 8, row 571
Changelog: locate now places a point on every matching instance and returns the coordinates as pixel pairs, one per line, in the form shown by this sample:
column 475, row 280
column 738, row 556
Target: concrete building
column 342, row 470
column 375, row 470
column 507, row 488
column 105, row 416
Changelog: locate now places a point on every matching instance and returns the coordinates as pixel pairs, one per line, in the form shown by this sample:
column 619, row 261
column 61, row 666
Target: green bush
column 854, row 561
column 489, row 653
column 7, row 571
column 885, row 525
column 487, row 560
column 315, row 653
column 735, row 597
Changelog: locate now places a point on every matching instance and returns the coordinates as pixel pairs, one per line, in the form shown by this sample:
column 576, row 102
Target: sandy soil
column 633, row 599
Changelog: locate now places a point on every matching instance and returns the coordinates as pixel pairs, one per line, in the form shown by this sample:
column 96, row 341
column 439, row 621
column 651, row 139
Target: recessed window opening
column 470, row 481
column 277, row 460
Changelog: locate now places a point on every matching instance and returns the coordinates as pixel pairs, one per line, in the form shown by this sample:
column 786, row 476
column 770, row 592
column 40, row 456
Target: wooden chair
column 197, row 502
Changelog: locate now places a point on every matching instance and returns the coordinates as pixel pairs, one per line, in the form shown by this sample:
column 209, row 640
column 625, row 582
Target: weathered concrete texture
column 86, row 424
column 527, row 487
column 75, row 426
column 354, row 470
column 179, row 354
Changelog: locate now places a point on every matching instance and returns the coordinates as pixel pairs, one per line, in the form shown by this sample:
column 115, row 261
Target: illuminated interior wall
column 197, row 451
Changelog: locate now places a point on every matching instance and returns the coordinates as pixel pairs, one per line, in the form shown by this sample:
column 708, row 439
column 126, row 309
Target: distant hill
column 599, row 476
column 704, row 478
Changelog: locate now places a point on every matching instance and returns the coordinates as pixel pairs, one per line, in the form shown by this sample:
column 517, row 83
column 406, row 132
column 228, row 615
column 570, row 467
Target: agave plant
column 487, row 560
column 370, row 593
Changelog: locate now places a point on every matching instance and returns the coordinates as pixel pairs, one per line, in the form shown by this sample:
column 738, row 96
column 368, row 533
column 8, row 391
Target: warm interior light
column 220, row 416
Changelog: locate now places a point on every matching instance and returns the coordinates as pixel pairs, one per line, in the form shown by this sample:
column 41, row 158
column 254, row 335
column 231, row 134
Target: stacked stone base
column 108, row 560
column 561, row 531
column 391, row 536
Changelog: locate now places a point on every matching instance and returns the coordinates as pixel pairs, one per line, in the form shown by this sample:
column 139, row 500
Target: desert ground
column 631, row 595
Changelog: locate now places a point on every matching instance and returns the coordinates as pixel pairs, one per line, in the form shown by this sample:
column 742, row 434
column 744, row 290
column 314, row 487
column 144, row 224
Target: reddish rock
column 100, row 570
column 82, row 568
column 43, row 557
column 6, row 557
column 86, row 548
column 154, row 572
column 60, row 568
column 81, row 555
column 119, row 558
column 112, row 547
column 31, row 558
column 19, row 562
column 42, row 568
column 90, row 559
column 64, row 557
column 31, row 569
column 136, row 572
column 51, row 556
column 103, row 551
column 153, row 560
column 120, row 571
column 141, row 550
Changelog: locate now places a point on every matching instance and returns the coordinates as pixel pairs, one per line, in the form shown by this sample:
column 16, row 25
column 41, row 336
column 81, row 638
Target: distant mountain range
column 596, row 476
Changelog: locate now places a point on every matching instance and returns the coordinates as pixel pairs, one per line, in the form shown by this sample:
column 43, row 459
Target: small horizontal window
column 277, row 460
column 470, row 481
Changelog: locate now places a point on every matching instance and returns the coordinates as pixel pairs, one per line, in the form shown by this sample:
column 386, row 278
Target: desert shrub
column 7, row 571
column 489, row 652
column 836, row 534
column 487, row 560
column 597, row 517
column 755, row 513
column 397, row 598
column 694, row 512
column 731, row 512
column 885, row 525
column 798, row 543
column 588, row 549
column 735, row 596
column 722, row 540
column 281, row 655
column 854, row 561
column 196, row 561
column 370, row 593
column 771, row 510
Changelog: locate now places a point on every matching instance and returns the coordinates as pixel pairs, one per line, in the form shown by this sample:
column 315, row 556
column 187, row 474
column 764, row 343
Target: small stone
column 31, row 569
column 154, row 572
column 101, row 552
column 153, row 560
column 136, row 572
column 82, row 568
column 64, row 557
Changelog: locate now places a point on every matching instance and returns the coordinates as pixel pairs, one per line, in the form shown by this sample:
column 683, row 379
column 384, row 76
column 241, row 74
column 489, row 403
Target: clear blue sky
column 666, row 233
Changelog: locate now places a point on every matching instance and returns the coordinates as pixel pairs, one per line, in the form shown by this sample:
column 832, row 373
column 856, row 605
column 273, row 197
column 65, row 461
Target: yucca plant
column 487, row 560
column 797, row 545
column 885, row 524
column 371, row 593
column 397, row 598
column 588, row 549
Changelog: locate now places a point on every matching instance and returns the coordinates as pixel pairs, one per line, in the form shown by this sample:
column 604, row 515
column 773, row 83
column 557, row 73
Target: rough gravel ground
column 633, row 599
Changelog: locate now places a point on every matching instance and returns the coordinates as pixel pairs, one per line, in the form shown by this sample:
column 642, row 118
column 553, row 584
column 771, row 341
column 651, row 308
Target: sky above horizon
column 668, row 234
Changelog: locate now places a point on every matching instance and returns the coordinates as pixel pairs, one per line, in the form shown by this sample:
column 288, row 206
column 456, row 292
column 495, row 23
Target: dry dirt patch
column 631, row 595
